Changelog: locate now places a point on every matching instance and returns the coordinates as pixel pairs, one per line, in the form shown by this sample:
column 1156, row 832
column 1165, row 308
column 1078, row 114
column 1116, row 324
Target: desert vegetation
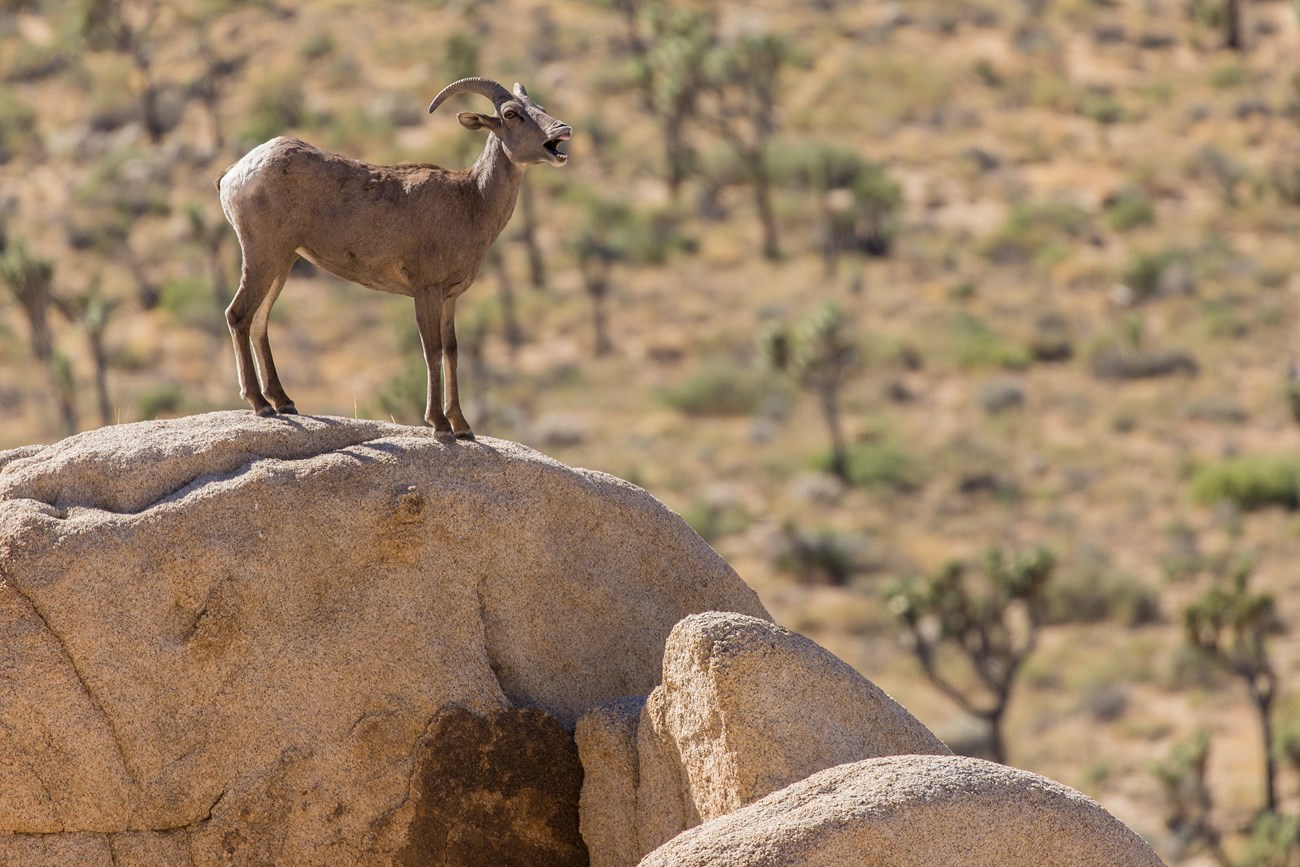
column 966, row 332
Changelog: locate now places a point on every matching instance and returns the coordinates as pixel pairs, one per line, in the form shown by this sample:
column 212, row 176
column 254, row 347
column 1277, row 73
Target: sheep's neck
column 497, row 180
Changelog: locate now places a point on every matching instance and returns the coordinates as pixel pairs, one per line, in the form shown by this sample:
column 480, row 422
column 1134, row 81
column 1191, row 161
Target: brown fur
column 413, row 229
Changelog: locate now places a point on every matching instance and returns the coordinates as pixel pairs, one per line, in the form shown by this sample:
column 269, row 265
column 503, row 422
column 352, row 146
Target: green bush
column 881, row 465
column 403, row 397
column 718, row 388
column 1038, row 232
column 713, row 520
column 1096, row 598
column 279, row 104
column 819, row 557
column 17, row 126
column 1146, row 272
column 165, row 399
column 190, row 300
column 978, row 346
column 1250, row 482
column 1129, row 209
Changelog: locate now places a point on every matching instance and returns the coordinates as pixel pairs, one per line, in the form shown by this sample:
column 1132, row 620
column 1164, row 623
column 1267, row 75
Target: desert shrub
column 190, row 301
column 979, row 346
column 882, row 465
column 1000, row 395
column 713, row 520
column 1230, row 75
column 162, row 400
column 641, row 236
column 820, row 557
column 1093, row 598
column 1104, row 702
column 861, row 200
column 1249, row 482
column 1102, row 106
column 1051, row 340
column 1193, row 668
column 1227, row 173
column 1274, row 840
column 402, row 398
column 17, row 126
column 1128, row 209
column 124, row 185
column 718, row 388
column 1217, row 408
column 1286, row 740
column 279, row 104
column 32, row 62
column 1182, row 559
column 1036, row 232
column 1114, row 361
column 1152, row 273
column 319, row 44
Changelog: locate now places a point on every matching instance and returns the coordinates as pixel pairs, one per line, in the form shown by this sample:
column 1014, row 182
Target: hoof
column 444, row 436
column 464, row 434
column 266, row 411
column 287, row 409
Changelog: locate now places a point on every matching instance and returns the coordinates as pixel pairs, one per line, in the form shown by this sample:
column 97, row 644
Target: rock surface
column 227, row 639
column 913, row 811
column 745, row 708
column 607, row 807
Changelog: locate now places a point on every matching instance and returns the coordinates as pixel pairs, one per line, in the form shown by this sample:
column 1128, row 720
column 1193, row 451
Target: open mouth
column 554, row 149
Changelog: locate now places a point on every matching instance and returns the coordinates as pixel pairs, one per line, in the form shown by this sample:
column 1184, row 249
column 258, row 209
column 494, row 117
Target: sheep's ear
column 520, row 92
column 474, row 120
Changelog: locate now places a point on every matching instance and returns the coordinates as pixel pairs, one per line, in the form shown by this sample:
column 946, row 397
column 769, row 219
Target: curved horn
column 482, row 86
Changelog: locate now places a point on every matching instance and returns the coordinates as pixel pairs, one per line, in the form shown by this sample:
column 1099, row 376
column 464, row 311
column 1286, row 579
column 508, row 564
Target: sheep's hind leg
column 272, row 390
column 460, row 427
column 254, row 284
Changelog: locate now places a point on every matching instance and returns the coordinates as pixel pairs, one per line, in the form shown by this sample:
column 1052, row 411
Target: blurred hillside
column 1032, row 263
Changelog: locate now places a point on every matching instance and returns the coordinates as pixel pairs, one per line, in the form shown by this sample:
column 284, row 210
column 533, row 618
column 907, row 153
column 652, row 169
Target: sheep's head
column 529, row 134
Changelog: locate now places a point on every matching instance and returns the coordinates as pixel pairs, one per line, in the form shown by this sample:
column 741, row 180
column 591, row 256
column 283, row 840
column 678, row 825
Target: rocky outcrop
column 493, row 790
column 745, row 708
column 234, row 640
column 913, row 811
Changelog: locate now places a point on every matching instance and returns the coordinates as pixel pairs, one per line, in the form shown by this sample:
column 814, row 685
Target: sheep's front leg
column 459, row 426
column 428, row 318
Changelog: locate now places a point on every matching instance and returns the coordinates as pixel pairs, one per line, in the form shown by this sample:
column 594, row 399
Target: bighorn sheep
column 411, row 229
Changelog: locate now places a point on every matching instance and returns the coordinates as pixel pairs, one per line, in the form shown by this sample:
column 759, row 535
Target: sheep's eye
column 510, row 114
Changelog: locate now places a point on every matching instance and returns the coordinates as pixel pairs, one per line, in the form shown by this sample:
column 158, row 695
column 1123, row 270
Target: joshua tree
column 1233, row 625
column 92, row 311
column 528, row 235
column 993, row 624
column 669, row 50
column 859, row 204
column 672, row 77
column 127, row 27
column 821, row 356
column 1292, row 388
column 31, row 281
column 744, row 87
column 1233, row 32
column 209, row 86
column 513, row 334
column 596, row 257
column 1188, row 800
column 602, row 241
column 212, row 234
